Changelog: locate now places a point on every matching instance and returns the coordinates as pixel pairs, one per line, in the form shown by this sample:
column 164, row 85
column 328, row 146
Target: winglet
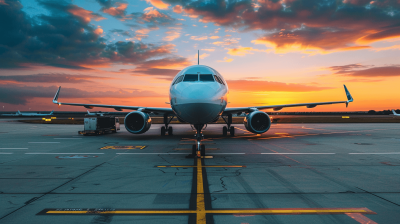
column 56, row 96
column 349, row 97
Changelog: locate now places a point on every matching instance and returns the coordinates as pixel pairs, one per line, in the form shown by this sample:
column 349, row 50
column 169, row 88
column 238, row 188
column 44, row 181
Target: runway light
column 47, row 119
column 53, row 118
column 44, row 118
column 345, row 117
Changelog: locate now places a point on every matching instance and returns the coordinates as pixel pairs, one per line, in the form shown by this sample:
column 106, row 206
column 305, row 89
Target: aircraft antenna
column 198, row 57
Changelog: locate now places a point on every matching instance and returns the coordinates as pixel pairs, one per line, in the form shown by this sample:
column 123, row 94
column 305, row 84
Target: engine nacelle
column 137, row 122
column 257, row 122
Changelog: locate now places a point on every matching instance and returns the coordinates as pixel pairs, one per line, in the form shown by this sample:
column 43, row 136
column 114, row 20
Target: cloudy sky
column 270, row 51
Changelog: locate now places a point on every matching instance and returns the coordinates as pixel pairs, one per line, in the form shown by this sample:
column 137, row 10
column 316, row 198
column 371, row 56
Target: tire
column 162, row 131
column 170, row 130
column 232, row 131
column 202, row 150
column 224, row 131
column 194, row 150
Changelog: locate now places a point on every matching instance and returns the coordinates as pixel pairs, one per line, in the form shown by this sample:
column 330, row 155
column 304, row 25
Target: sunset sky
column 269, row 51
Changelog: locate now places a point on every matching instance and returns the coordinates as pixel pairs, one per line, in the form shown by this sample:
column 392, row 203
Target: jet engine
column 137, row 122
column 257, row 122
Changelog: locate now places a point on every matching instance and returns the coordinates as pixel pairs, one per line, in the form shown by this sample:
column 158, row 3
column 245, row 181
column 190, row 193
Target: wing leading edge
column 115, row 107
column 279, row 107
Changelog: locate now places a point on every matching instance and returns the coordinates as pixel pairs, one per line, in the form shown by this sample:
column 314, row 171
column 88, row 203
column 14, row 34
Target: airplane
column 199, row 95
column 394, row 113
column 27, row 114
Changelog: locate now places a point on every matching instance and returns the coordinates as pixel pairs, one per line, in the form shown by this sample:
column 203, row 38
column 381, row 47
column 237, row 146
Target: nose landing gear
column 198, row 149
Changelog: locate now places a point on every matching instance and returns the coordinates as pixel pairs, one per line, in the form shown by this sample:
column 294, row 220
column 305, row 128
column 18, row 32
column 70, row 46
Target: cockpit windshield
column 191, row 78
column 206, row 78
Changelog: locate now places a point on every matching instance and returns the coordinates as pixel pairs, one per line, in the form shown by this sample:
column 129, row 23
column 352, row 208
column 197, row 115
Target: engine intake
column 137, row 122
column 257, row 122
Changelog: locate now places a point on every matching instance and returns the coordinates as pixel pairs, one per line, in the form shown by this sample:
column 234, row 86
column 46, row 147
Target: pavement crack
column 223, row 185
column 378, row 196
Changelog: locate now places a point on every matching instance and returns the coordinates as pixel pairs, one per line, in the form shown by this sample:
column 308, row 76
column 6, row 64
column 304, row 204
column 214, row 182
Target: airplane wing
column 116, row 107
column 279, row 107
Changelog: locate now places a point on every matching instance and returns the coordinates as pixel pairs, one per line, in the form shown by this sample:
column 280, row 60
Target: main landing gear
column 166, row 129
column 227, row 128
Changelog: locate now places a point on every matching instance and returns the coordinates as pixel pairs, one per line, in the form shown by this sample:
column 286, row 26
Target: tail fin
column 394, row 112
column 18, row 112
column 51, row 113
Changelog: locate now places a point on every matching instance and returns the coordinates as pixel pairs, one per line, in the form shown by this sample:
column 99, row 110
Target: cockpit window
column 191, row 78
column 219, row 79
column 178, row 80
column 206, row 78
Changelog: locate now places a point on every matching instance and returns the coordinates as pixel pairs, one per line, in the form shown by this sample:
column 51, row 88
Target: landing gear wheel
column 202, row 150
column 232, row 131
column 169, row 130
column 224, row 131
column 162, row 131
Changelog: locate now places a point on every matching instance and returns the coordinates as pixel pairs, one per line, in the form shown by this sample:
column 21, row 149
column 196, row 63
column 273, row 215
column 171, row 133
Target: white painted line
column 13, row 148
column 43, row 142
column 373, row 153
column 67, row 138
column 68, row 153
column 5, row 153
column 297, row 153
column 149, row 153
column 228, row 153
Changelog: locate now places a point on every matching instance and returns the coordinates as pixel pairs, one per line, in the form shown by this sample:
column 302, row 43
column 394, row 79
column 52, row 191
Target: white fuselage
column 198, row 94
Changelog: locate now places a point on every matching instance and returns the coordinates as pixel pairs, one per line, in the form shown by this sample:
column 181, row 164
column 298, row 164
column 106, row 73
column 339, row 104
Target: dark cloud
column 319, row 24
column 64, row 38
column 269, row 86
column 51, row 78
column 357, row 70
column 21, row 95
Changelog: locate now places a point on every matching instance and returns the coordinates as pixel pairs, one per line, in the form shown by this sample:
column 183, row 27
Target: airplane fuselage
column 198, row 94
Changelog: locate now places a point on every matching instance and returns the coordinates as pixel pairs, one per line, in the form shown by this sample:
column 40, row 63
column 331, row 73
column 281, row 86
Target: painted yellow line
column 201, row 212
column 200, row 208
column 211, row 166
column 292, row 211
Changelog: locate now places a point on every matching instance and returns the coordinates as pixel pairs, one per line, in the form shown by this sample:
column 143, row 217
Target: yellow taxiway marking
column 201, row 211
column 124, row 147
column 203, row 166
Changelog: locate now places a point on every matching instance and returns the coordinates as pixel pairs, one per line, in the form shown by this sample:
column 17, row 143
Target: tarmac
column 294, row 173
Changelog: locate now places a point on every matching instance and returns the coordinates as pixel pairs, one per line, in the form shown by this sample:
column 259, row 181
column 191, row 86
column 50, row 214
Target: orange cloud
column 177, row 9
column 116, row 11
column 98, row 31
column 214, row 37
column 242, row 51
column 86, row 15
column 226, row 60
column 208, row 49
column 269, row 86
column 171, row 35
column 158, row 4
column 199, row 38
